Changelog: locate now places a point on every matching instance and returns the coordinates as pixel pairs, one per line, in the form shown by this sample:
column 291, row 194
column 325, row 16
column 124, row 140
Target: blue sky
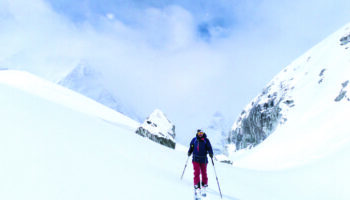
column 187, row 58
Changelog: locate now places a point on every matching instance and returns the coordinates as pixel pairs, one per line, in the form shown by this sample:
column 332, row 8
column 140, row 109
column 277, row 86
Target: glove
column 211, row 155
column 189, row 153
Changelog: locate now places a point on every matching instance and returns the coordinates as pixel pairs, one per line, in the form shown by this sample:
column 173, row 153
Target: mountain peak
column 88, row 81
column 157, row 113
column 158, row 128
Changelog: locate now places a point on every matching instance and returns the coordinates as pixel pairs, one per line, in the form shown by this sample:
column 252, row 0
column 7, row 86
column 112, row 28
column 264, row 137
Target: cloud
column 189, row 58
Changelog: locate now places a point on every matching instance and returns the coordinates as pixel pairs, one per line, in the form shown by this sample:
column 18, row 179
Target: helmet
column 200, row 132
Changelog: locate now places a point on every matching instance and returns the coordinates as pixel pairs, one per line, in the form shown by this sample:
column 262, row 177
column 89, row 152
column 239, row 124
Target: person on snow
column 200, row 146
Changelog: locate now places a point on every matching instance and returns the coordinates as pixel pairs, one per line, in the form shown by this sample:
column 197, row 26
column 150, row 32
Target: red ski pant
column 200, row 168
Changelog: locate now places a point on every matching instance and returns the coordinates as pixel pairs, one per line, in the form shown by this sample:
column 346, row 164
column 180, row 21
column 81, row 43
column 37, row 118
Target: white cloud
column 110, row 16
column 155, row 53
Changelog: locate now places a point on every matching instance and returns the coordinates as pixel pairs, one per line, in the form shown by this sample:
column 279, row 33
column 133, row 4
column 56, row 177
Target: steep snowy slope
column 305, row 104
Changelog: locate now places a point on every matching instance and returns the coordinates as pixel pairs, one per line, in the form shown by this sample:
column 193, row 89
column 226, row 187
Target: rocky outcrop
column 262, row 115
column 343, row 91
column 158, row 129
column 345, row 39
column 259, row 122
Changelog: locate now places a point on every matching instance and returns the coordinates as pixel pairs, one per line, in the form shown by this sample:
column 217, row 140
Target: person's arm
column 190, row 150
column 209, row 149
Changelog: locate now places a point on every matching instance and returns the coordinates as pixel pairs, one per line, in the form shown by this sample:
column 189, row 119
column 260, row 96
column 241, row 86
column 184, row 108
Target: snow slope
column 57, row 144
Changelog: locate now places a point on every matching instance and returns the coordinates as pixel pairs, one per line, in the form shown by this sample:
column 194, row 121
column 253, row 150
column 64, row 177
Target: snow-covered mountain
column 158, row 128
column 88, row 81
column 308, row 100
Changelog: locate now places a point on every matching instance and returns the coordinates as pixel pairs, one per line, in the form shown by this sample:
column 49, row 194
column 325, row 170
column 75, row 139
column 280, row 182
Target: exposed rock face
column 260, row 119
column 345, row 39
column 343, row 91
column 268, row 110
column 158, row 129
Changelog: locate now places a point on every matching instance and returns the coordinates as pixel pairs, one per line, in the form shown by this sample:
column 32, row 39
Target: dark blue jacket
column 200, row 147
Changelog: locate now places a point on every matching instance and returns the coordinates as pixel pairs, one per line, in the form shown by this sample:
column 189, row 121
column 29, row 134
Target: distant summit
column 88, row 81
column 159, row 129
column 217, row 132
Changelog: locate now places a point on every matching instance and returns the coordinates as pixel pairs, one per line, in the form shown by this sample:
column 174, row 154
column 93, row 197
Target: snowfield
column 57, row 144
column 52, row 150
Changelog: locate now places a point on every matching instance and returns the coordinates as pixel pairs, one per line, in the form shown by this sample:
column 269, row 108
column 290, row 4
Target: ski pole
column 217, row 180
column 185, row 167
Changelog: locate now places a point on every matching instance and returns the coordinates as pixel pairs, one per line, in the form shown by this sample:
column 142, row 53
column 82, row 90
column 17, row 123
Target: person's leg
column 197, row 171
column 203, row 169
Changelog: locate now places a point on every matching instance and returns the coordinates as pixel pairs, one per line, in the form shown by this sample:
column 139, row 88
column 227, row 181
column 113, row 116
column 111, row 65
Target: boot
column 197, row 192
column 204, row 190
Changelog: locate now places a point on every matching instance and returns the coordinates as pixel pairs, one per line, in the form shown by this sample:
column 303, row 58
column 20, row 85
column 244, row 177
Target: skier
column 200, row 146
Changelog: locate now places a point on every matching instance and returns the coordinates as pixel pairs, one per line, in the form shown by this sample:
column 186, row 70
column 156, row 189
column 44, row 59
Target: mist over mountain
column 88, row 81
column 217, row 133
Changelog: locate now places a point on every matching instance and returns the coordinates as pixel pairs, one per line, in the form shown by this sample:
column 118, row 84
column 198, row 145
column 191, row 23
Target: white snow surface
column 57, row 144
